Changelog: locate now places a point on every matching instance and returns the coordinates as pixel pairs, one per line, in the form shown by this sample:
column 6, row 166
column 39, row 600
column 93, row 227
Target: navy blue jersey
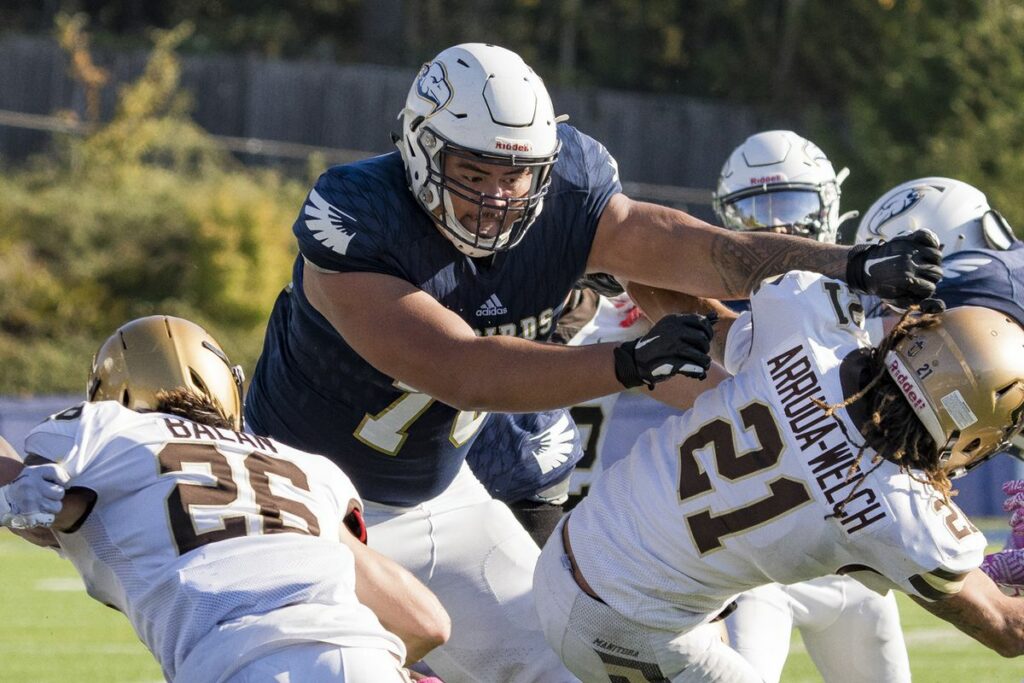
column 985, row 277
column 520, row 454
column 312, row 391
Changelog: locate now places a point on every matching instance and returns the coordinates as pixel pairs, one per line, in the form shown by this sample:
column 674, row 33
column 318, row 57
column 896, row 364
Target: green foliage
column 982, row 136
column 923, row 89
column 147, row 214
column 144, row 215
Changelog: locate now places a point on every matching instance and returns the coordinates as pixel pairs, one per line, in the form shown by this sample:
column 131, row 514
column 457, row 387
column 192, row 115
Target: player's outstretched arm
column 681, row 392
column 29, row 497
column 403, row 605
column 71, row 505
column 10, row 467
column 983, row 612
column 664, row 247
column 407, row 334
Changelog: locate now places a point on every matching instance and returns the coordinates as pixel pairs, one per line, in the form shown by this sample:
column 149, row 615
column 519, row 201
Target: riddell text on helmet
column 507, row 145
column 907, row 385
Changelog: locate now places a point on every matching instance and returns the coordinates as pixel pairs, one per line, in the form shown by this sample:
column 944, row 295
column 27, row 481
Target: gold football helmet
column 161, row 352
column 964, row 378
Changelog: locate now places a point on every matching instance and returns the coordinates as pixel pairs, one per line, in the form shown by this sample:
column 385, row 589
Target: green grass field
column 54, row 633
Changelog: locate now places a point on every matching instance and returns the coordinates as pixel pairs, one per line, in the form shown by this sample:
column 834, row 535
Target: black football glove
column 904, row 269
column 676, row 345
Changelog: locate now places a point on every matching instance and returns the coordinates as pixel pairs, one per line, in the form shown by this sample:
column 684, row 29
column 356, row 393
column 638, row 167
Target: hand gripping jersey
column 743, row 489
column 311, row 390
column 973, row 277
column 209, row 540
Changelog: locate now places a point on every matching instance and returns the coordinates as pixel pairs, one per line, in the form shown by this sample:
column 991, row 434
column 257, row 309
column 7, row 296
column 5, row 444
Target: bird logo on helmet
column 433, row 86
column 958, row 213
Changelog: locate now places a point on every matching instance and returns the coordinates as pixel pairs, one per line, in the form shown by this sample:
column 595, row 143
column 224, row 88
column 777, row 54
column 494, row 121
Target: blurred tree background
column 144, row 214
column 895, row 89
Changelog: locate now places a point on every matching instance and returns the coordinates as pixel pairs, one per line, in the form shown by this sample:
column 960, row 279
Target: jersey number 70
column 387, row 431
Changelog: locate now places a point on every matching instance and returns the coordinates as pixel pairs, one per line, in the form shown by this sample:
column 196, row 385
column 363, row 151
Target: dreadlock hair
column 893, row 430
column 193, row 406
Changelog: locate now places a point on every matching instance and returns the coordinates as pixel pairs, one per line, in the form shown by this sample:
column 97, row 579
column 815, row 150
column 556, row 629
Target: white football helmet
column 779, row 180
column 955, row 211
column 480, row 102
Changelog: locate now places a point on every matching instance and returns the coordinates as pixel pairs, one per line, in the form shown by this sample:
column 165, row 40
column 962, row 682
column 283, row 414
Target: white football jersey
column 600, row 319
column 199, row 532
column 745, row 488
column 615, row 319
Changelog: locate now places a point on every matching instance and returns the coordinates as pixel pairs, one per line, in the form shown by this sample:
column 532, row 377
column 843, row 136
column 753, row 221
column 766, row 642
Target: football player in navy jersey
column 427, row 280
column 983, row 264
column 527, row 460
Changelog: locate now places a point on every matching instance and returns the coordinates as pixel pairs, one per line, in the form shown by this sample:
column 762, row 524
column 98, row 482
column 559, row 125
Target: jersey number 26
column 232, row 497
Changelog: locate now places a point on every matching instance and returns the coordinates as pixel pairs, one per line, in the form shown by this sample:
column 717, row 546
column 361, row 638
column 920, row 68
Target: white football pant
column 596, row 642
column 322, row 663
column 852, row 633
column 472, row 552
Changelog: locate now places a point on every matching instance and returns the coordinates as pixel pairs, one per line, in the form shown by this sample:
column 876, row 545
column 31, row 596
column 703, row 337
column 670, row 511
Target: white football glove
column 33, row 499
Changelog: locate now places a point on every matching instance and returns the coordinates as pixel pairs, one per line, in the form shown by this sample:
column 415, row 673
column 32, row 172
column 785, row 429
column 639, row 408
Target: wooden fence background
column 669, row 148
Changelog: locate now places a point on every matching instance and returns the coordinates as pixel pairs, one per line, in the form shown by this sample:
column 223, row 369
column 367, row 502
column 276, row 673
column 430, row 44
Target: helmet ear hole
column 198, row 381
column 1005, row 390
column 126, row 398
column 972, row 446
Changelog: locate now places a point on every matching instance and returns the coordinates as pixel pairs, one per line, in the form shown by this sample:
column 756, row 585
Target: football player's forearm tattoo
column 743, row 263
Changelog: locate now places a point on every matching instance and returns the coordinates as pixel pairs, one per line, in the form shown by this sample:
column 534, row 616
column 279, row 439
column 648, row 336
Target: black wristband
column 626, row 370
column 855, row 276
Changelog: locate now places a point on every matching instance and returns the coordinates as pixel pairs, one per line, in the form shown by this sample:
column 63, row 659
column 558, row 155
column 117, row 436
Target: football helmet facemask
column 964, row 378
column 163, row 353
column 481, row 103
column 779, row 180
column 955, row 211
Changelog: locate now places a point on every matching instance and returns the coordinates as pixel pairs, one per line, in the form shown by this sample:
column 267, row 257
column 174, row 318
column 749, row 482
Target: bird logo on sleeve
column 327, row 223
column 554, row 445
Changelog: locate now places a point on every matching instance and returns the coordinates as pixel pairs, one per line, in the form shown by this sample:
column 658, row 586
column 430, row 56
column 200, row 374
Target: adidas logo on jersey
column 491, row 307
